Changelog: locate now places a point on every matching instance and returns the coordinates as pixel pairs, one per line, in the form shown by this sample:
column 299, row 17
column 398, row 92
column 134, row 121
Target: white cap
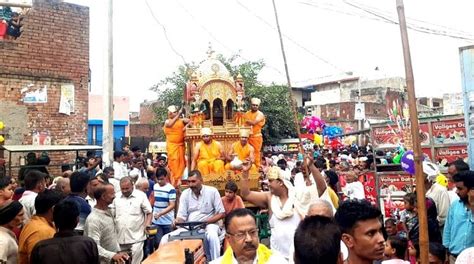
column 255, row 101
column 172, row 109
column 206, row 131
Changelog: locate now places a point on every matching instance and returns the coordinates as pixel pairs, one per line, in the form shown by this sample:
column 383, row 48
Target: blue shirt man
column 459, row 226
column 164, row 203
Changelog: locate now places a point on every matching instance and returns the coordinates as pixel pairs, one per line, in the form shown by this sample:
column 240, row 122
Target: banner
column 425, row 134
column 66, row 102
column 287, row 147
column 451, row 153
column 396, row 182
column 384, row 135
column 449, row 132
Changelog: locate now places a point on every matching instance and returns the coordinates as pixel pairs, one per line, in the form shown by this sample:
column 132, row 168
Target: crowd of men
column 101, row 215
column 316, row 203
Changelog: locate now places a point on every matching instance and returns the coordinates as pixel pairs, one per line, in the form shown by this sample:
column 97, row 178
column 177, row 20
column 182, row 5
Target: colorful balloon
column 408, row 162
column 318, row 139
column 1, row 125
column 2, row 139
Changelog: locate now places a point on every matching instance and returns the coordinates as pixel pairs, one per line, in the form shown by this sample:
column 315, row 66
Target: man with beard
column 200, row 203
column 208, row 155
column 256, row 119
column 244, row 246
column 361, row 231
column 459, row 224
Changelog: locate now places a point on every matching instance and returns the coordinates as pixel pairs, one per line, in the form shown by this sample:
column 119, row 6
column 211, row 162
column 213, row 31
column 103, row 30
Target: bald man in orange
column 174, row 131
column 256, row 119
column 243, row 151
column 208, row 154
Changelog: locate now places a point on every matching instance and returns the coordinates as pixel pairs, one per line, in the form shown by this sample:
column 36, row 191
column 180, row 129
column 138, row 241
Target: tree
column 275, row 98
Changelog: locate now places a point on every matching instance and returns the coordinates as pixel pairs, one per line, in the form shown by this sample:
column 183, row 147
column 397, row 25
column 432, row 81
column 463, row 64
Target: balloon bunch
column 312, row 124
column 349, row 140
column 318, row 139
column 332, row 131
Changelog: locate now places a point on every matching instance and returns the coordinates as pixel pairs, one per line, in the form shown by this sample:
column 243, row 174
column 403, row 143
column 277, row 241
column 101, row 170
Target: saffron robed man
column 255, row 118
column 174, row 131
column 208, row 154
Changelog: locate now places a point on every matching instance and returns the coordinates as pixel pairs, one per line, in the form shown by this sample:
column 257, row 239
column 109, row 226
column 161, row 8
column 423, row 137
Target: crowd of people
column 317, row 208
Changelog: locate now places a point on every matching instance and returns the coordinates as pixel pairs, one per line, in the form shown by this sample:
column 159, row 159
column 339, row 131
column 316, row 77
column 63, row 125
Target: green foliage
column 277, row 109
column 275, row 98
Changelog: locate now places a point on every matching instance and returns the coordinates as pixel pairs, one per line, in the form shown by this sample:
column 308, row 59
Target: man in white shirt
column 133, row 214
column 244, row 246
column 201, row 203
column 435, row 191
column 120, row 169
column 34, row 184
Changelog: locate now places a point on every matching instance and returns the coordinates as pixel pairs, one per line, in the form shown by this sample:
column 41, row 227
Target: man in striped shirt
column 164, row 203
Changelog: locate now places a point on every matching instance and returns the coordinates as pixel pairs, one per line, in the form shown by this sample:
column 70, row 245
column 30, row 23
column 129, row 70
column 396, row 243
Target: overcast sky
column 323, row 38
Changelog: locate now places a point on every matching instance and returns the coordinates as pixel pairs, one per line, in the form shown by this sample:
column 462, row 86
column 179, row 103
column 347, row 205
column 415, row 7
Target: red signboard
column 391, row 135
column 449, row 132
column 424, row 134
column 385, row 135
column 451, row 153
column 427, row 151
column 395, row 182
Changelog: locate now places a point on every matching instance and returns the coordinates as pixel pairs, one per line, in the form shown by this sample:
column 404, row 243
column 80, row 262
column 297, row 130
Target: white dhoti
column 213, row 232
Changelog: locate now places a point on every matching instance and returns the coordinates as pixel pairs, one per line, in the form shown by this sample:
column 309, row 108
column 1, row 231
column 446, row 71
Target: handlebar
column 194, row 225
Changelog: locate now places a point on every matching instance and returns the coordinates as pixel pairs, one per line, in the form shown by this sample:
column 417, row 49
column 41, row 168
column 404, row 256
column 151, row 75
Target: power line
column 165, row 32
column 412, row 27
column 220, row 42
column 289, row 38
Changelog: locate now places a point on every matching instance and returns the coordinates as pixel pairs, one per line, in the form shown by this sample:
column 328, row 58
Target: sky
column 324, row 39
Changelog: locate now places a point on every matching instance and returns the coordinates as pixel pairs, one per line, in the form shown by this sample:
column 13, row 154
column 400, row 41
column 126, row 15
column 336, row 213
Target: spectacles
column 242, row 235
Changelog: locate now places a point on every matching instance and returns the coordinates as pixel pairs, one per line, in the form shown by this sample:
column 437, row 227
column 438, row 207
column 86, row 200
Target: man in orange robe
column 208, row 154
column 256, row 119
column 174, row 131
column 242, row 151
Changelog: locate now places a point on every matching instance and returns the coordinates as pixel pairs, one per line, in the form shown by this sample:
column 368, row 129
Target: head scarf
column 9, row 211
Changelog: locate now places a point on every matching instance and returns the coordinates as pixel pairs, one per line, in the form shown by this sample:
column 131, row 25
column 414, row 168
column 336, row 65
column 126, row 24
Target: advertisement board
column 449, row 132
column 395, row 182
column 451, row 153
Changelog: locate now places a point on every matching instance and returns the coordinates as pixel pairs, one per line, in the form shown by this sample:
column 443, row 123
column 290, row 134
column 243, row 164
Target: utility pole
column 415, row 134
column 108, row 126
column 292, row 99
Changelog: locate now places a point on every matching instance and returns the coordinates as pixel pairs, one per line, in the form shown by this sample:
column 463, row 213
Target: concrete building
column 429, row 106
column 453, row 104
column 335, row 101
column 121, row 105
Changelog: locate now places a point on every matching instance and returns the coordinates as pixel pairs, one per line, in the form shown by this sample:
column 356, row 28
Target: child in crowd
column 6, row 190
column 231, row 200
column 395, row 250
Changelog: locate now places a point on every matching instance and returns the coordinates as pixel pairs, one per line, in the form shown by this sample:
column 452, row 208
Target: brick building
column 335, row 101
column 51, row 53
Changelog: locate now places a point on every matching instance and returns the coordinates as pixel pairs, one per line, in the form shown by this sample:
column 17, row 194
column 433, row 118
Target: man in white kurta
column 133, row 214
